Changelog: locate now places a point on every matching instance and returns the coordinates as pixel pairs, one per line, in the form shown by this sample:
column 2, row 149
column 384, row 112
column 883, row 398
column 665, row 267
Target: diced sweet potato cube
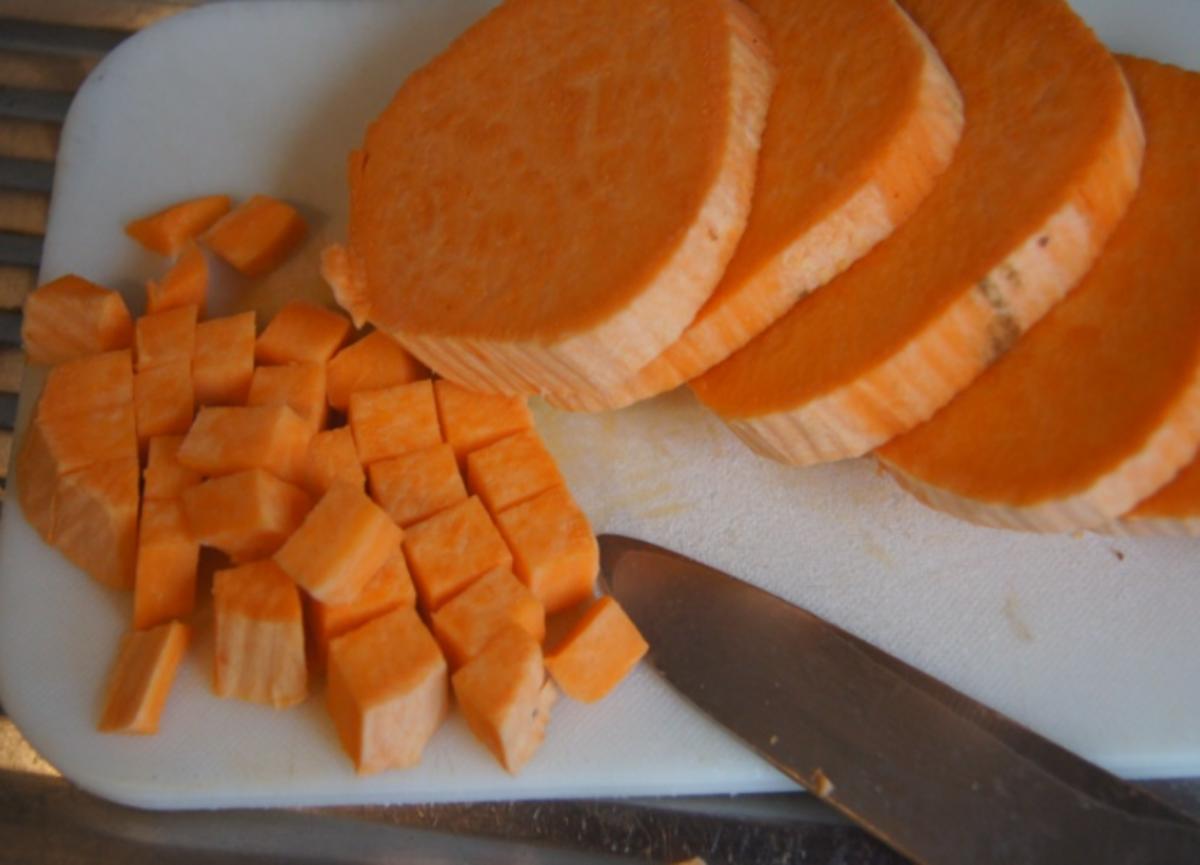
column 70, row 317
column 78, row 440
column 141, row 678
column 258, row 235
column 169, row 230
column 185, row 284
column 96, row 520
column 37, row 481
column 342, row 542
column 162, row 337
column 97, row 381
column 505, row 697
column 223, row 362
column 299, row 385
column 597, row 653
column 394, row 420
column 465, row 623
column 388, row 588
column 471, row 420
column 223, row 440
column 259, row 643
column 163, row 400
column 332, row 457
column 452, row 549
column 167, row 558
column 164, row 476
column 512, row 470
column 387, row 691
column 375, row 361
column 554, row 550
column 415, row 486
column 247, row 515
column 302, row 332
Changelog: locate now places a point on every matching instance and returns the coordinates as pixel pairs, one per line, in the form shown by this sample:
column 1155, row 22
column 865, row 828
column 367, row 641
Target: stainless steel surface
column 935, row 774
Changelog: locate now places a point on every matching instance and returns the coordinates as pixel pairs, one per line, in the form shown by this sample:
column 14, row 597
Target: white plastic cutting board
column 1092, row 641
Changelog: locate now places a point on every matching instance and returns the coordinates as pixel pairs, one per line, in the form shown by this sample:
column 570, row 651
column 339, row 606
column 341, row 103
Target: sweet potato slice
column 258, row 235
column 259, row 636
column 465, row 623
column 185, row 284
column 375, row 361
column 141, row 678
column 394, row 420
column 332, row 458
column 388, row 691
column 96, row 520
column 223, row 362
column 299, row 385
column 597, row 653
column 164, row 476
column 553, row 548
column 417, row 485
column 452, row 549
column 518, row 249
column 169, row 230
column 876, row 164
column 223, row 440
column 167, row 559
column 70, row 318
column 163, row 337
column 512, row 470
column 1030, row 444
column 247, row 515
column 163, row 400
column 1039, row 180
column 342, row 542
column 302, row 332
column 94, row 382
column 1173, row 510
column 505, row 697
column 388, row 588
column 472, row 420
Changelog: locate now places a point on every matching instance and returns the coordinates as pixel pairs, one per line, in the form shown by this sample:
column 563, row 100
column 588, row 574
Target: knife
column 926, row 769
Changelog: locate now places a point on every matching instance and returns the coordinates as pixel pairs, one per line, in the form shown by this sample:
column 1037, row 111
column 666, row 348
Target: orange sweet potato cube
column 77, row 440
column 70, row 318
column 167, row 559
column 597, row 653
column 96, row 520
column 223, row 361
column 259, row 636
column 164, row 476
column 247, row 515
column 375, row 361
column 342, row 542
column 162, row 337
column 302, row 332
column 163, row 400
column 416, row 485
column 89, row 383
column 505, row 697
column 471, row 420
column 36, row 475
column 299, row 385
column 169, row 230
column 465, row 623
column 554, row 550
column 185, row 284
column 452, row 549
column 227, row 439
column 258, row 235
column 387, row 691
column 331, row 458
column 141, row 678
column 511, row 470
column 394, row 420
column 388, row 588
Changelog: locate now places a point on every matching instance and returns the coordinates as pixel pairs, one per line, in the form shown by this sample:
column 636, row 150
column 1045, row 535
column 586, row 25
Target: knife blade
column 926, row 769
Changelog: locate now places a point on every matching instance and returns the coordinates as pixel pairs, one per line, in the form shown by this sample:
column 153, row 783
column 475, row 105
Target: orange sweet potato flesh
column 472, row 420
column 415, row 486
column 332, row 458
column 97, row 381
column 600, row 650
column 141, row 678
column 163, row 400
column 346, row 277
column 298, row 385
column 1099, row 404
column 394, row 420
column 465, row 623
column 169, row 230
column 167, row 559
column 164, row 476
column 1173, row 509
column 247, row 515
column 511, row 471
column 302, row 332
column 258, row 235
column 388, row 588
column 70, row 318
column 387, row 691
column 223, row 440
column 375, row 361
column 185, row 284
column 74, row 441
column 96, row 520
column 1040, row 177
column 162, row 337
column 223, row 361
column 452, row 549
column 561, row 244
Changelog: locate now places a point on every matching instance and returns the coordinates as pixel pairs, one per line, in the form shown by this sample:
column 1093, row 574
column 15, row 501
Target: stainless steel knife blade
column 928, row 770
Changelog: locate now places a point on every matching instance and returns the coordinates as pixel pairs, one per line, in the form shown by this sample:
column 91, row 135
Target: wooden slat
column 6, row 440
column 37, row 71
column 114, row 14
column 23, row 211
column 29, row 139
column 12, row 364
column 15, row 283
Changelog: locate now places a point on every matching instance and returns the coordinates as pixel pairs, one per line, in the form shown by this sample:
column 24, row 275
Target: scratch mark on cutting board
column 1015, row 623
column 873, row 549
